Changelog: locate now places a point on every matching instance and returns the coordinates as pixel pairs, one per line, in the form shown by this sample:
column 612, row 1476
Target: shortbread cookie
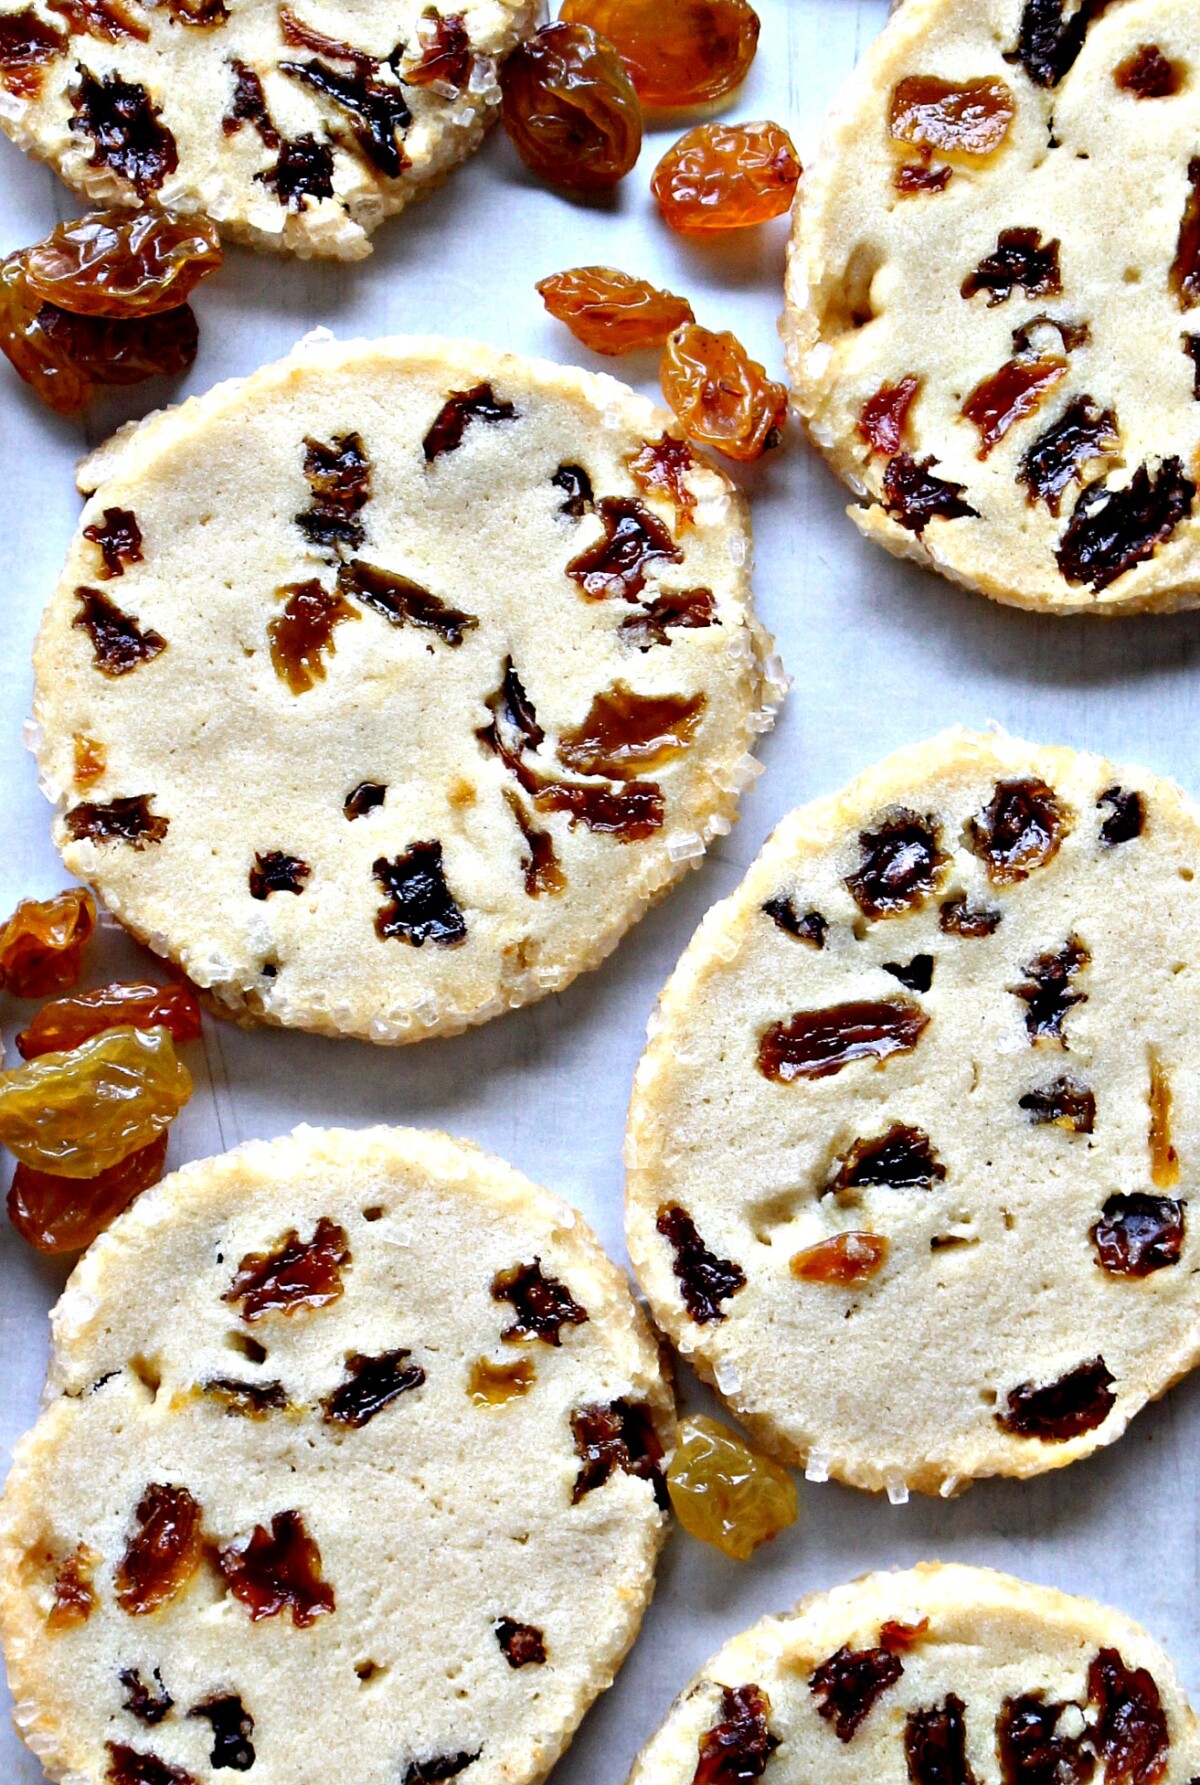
column 378, row 1498
column 416, row 670
column 993, row 317
column 296, row 126
column 911, row 1147
column 935, row 1676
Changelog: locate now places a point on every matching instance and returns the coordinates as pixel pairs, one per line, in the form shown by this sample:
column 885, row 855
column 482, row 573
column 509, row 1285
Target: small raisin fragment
column 42, row 943
column 338, row 473
column 126, row 1766
column 917, row 177
column 1164, row 1159
column 1020, row 829
column 896, row 1636
column 249, row 106
column 523, row 1644
column 1126, row 819
column 576, row 486
column 634, row 542
column 119, row 538
column 27, row 44
column 1054, row 334
column 302, row 635
column 90, row 760
column 118, row 642
column 144, row 1702
column 126, row 130
column 612, row 312
column 59, row 1214
column 232, row 1727
column 915, row 975
column 364, row 798
column 441, row 1766
column 630, row 813
column 570, row 108
column 625, row 734
column 1083, row 434
column 278, row 1571
column 811, row 927
column 726, row 176
column 724, row 1492
column 106, row 19
column 705, row 1279
column 914, row 496
column 900, row 1159
column 403, row 602
column 74, row 1594
column 1049, row 993
column 1056, row 1411
column 1031, row 1750
column 248, row 1400
column 1148, row 74
column 445, row 59
column 303, row 170
column 540, row 869
column 736, row 1749
column 66, row 1022
column 967, row 118
column 420, row 907
column 1185, row 269
column 849, row 1683
column 883, row 417
column 371, row 1384
column 163, row 1551
column 377, row 107
column 721, row 396
column 843, row 1260
column 1130, row 1732
column 276, row 871
column 492, row 1385
column 127, row 820
column 670, row 608
column 1111, row 531
column 462, row 407
column 1065, row 1103
column 620, row 1435
column 1191, row 346
column 1050, row 43
column 1020, row 259
column 901, row 862
column 199, row 14
column 935, row 1744
column 542, row 1305
column 999, row 402
column 295, row 1275
column 1139, row 1234
column 680, row 54
column 660, row 467
column 818, row 1043
column 302, row 36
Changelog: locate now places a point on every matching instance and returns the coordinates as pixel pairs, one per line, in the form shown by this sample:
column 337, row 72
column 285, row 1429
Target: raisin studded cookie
column 912, row 1144
column 293, row 124
column 416, row 672
column 993, row 298
column 940, row 1675
column 378, row 1499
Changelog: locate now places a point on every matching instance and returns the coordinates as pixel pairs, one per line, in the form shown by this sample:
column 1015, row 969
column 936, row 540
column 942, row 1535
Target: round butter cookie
column 416, row 672
column 993, row 298
column 296, row 126
column 911, row 1148
column 379, row 1498
column 940, row 1675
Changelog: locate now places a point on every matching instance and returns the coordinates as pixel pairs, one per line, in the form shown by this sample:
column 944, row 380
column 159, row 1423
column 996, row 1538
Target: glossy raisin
column 570, row 108
column 902, row 1158
column 726, row 1493
column 368, row 796
column 915, row 975
column 163, row 1551
column 1126, row 818
column 612, row 312
column 122, row 264
column 1148, row 74
column 108, row 20
column 28, row 44
column 576, row 485
column 1031, row 1749
column 625, row 734
column 818, row 1043
column 843, row 1260
column 460, row 409
column 901, row 863
column 1130, row 1733
column 76, row 1114
column 374, row 103
column 420, row 907
column 1008, row 396
column 494, row 1385
column 128, row 1766
column 1050, row 42
column 523, row 1645
column 633, row 544
column 370, row 1385
column 726, row 176
column 403, row 602
column 297, row 1274
column 1049, row 991
column 736, row 1749
column 540, row 866
column 1020, row 261
column 848, row 1685
column 1020, row 829
column 810, row 927
column 444, row 59
column 884, row 417
column 249, row 106
column 914, row 495
column 722, row 397
column 275, row 871
column 42, row 943
column 705, row 1279
column 232, row 1727
column 1111, row 531
column 301, row 636
column 916, row 177
column 119, row 538
column 1065, row 1103
column 661, row 468
column 90, row 760
column 680, row 53
column 1083, row 435
column 149, row 1704
column 1057, row 1411
column 935, row 1744
column 75, row 1596
column 278, row 1570
column 303, row 170
column 300, row 35
column 620, row 1435
column 126, row 129
column 968, row 118
column 126, row 820
column 56, row 1214
column 119, row 644
column 542, row 1305
column 338, row 473
column 1139, row 1234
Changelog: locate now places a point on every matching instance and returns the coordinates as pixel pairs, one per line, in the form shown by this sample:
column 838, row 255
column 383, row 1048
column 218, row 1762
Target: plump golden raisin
column 935, row 1744
column 844, row 1259
column 542, row 1305
column 619, row 1435
column 902, row 1158
column 736, row 1749
column 660, row 468
column 818, row 1043
column 610, row 311
column 125, row 820
column 65, row 1022
column 123, row 264
column 1056, row 1411
column 42, row 943
column 28, row 44
column 296, row 1275
column 278, row 1571
column 634, row 542
column 57, row 1214
column 523, row 1644
column 420, row 906
column 90, row 760
column 302, row 635
column 680, row 53
column 1049, row 992
column 78, row 1113
column 726, row 1493
column 119, row 644
column 721, row 396
column 164, row 1549
column 570, row 108
column 1164, row 1160
column 726, row 176
column 848, row 1684
column 626, row 734
column 901, row 862
column 492, row 1385
column 444, row 57
column 966, row 118
column 884, row 417
column 119, row 538
column 1020, row 829
column 705, row 1280
column 1139, row 1234
column 1000, row 401
column 74, row 1593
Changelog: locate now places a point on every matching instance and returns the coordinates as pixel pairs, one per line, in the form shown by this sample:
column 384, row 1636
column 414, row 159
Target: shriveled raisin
column 810, row 927
column 149, row 1704
column 276, row 871
column 1019, row 261
column 915, row 975
column 523, row 1645
column 1049, row 992
column 56, row 1214
column 128, row 1766
column 570, row 108
column 122, row 264
column 119, row 538
column 1031, row 1748
column 845, row 1259
column 1057, row 1411
column 302, row 36
column 848, row 1685
column 914, row 495
column 376, row 106
column 364, row 798
column 27, row 45
column 42, row 943
column 1083, row 435
column 726, row 176
column 1020, row 829
column 634, row 543
column 818, row 1043
column 232, row 1727
column 620, row 1435
column 1050, row 42
column 74, row 1593
column 705, row 1279
column 119, row 644
column 296, row 1275
column 1130, row 1732
column 901, row 863
column 126, row 128
column 722, row 397
column 78, row 1113
column 1139, row 1234
column 1148, row 74
column 126, row 820
column 680, row 53
column 303, row 170
column 462, row 407
column 302, row 635
column 1126, row 818
column 884, row 417
column 625, row 734
column 403, row 602
column 726, row 1493
column 439, row 1767
column 1065, row 1103
column 1111, row 531
column 612, row 312
column 935, row 1744
column 902, row 1158
column 965, row 118
column 249, row 106
column 370, row 1385
column 338, row 473
column 248, row 1400
column 109, row 20
column 542, row 1305
column 999, row 402
column 540, row 868
column 493, row 1385
column 914, row 178
column 163, row 1551
column 444, row 60
column 1185, row 268
column 737, row 1748
column 278, row 1570
column 420, row 907
column 576, row 486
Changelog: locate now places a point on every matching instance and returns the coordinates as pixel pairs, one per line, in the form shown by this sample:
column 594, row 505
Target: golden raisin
column 967, row 118
column 164, row 1549
column 74, row 1594
column 78, row 1113
column 42, row 943
column 571, row 109
column 612, row 312
column 722, row 397
column 725, row 1493
column 846, row 1258
column 726, row 176
column 122, row 264
column 91, row 760
column 625, row 734
column 57, row 1214
column 491, row 1385
column 680, row 53
column 1164, row 1160
column 65, row 1022
column 297, row 1274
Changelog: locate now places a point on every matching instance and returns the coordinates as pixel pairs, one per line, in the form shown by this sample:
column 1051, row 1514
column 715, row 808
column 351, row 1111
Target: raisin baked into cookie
column 934, row 1676
column 993, row 298
column 912, row 1144
column 298, row 125
column 416, row 672
column 382, row 1490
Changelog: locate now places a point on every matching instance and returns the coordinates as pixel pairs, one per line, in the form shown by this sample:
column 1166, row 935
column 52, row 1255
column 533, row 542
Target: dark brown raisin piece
column 884, row 417
column 199, row 13
column 377, row 107
column 737, row 1748
column 277, row 1571
column 918, row 176
column 1126, row 819
column 118, row 642
column 1185, row 269
column 634, row 542
column 1065, row 1103
column 126, row 1766
column 1049, row 992
column 371, row 1384
column 403, row 602
column 540, row 868
column 1113, row 530
column 302, row 635
column 935, row 1744
column 514, row 718
column 338, row 473
column 420, row 908
column 913, row 496
column 901, row 1159
column 296, row 1274
column 915, row 975
column 1083, row 434
column 958, row 918
column 1020, row 829
column 848, row 1684
column 128, row 820
column 542, row 1305
column 670, row 608
column 1071, row 336
column 1055, row 1411
column 108, row 20
column 303, row 170
column 901, row 863
column 1148, row 74
column 818, row 1043
column 445, row 46
column 460, row 409
column 1050, row 42
column 1138, row 1234
column 232, row 1726
column 249, row 1400
column 119, row 538
column 162, row 1552
column 705, row 1280
column 364, row 798
column 1021, row 260
column 811, row 927
column 439, row 1767
column 1191, row 346
column 625, row 734
column 1130, row 1732
column 126, row 130
column 27, row 44
column 523, row 1644
column 145, row 1703
column 1031, row 1750
column 618, row 1436
column 576, row 486
column 249, row 106
column 275, row 872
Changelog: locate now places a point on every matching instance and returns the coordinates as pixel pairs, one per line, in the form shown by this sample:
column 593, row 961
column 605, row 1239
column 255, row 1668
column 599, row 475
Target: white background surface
column 880, row 654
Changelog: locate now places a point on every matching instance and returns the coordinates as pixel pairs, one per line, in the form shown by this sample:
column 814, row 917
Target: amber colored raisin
column 848, row 1685
column 303, row 36
column 1130, row 1732
column 899, row 1637
column 297, row 1274
column 612, row 312
column 726, row 176
column 1056, row 1411
column 634, row 542
column 1139, row 1234
column 144, row 1702
column 462, row 407
column 542, row 1305
column 705, row 1279
column 808, row 927
column 883, row 417
column 248, row 1400
column 278, row 1570
column 845, row 1259
column 1185, row 269
column 1020, row 261
column 935, row 1744
column 90, row 760
column 42, row 943
column 444, row 59
column 27, row 44
column 726, row 1493
column 303, row 170
column 492, row 1385
column 915, row 975
column 818, row 1043
column 1020, row 829
column 127, row 1766
column 200, row 14
column 680, row 53
column 364, row 798
column 967, row 118
column 249, row 106
column 403, row 602
column 420, row 907
column 74, row 1594
column 576, row 486
column 126, row 129
column 376, row 106
column 439, row 1767
column 56, row 1214
column 570, row 108
column 625, row 734
column 660, row 468
column 1049, row 992
column 1111, row 531
column 620, row 1435
column 901, row 862
column 1126, row 818
column 721, row 396
column 370, row 1385
column 1164, row 1160
column 523, row 1645
column 118, row 643
column 1065, row 1103
column 1148, row 74
column 914, row 495
column 119, row 538
column 913, row 178
column 1083, row 435
column 999, row 402
column 1049, row 45
column 902, row 1158
column 122, row 264
column 338, row 473
column 126, row 820
column 275, row 871
column 736, row 1749
column 164, row 1549
column 232, row 1727
column 302, row 635
column 1031, row 1749
column 957, row 917
column 109, row 20
column 78, row 1113
column 540, row 867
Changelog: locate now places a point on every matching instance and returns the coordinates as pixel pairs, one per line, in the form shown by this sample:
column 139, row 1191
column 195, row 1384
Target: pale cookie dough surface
column 293, row 127
column 502, row 843
column 1101, row 182
column 945, row 1676
column 435, row 1521
column 1016, row 1172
